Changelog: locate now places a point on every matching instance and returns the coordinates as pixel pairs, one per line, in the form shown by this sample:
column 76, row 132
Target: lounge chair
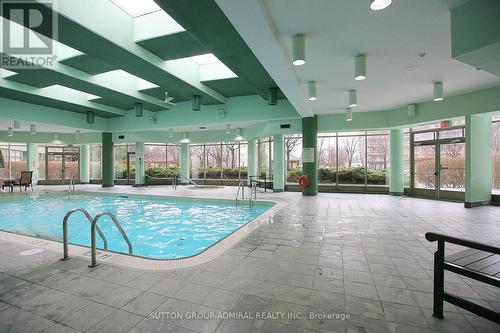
column 25, row 180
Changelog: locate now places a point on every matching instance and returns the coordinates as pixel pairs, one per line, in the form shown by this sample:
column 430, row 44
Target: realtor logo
column 29, row 31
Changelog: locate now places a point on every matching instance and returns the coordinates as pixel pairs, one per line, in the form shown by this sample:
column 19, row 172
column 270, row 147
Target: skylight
column 205, row 59
column 4, row 73
column 137, row 8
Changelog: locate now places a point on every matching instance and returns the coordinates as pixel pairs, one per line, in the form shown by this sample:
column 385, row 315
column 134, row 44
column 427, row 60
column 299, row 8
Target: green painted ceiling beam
column 79, row 100
column 95, row 85
column 89, row 31
column 218, row 35
column 15, row 110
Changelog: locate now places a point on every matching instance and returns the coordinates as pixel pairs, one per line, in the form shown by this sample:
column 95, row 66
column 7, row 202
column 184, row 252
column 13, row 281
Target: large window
column 124, row 162
column 95, row 161
column 293, row 157
column 226, row 160
column 15, row 158
column 161, row 160
column 265, row 157
column 356, row 158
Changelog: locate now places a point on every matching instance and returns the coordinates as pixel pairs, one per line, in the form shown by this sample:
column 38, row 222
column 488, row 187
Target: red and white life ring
column 304, row 181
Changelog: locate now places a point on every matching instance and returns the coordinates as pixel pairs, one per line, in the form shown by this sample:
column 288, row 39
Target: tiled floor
column 361, row 255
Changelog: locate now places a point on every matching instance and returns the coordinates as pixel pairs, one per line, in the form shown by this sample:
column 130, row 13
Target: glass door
column 424, row 176
column 71, row 164
column 54, row 164
column 130, row 168
column 452, row 170
column 61, row 164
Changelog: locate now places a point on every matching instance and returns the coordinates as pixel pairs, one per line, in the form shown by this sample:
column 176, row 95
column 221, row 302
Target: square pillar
column 139, row 164
column 84, row 164
column 108, row 160
column 478, row 160
column 253, row 169
column 278, row 163
column 310, row 154
column 396, row 172
column 184, row 163
column 32, row 160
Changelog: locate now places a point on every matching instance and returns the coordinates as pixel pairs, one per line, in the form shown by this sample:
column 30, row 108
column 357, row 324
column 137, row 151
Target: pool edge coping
column 144, row 263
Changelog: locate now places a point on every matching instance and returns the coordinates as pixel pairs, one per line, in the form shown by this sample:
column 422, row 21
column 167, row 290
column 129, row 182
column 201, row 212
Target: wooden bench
column 480, row 262
column 262, row 182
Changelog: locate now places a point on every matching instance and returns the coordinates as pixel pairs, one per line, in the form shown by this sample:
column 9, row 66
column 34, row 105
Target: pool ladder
column 93, row 229
column 241, row 189
column 71, row 187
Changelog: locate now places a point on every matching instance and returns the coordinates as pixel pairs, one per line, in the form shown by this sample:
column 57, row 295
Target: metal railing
column 93, row 242
column 71, row 187
column 241, row 186
column 190, row 181
column 253, row 192
column 65, row 231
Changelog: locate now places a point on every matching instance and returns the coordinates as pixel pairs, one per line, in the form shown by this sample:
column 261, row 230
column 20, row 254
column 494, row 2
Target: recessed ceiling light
column 203, row 127
column 137, row 8
column 412, row 68
column 380, row 4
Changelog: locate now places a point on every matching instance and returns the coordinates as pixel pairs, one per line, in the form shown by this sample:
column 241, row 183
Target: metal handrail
column 65, row 231
column 93, row 240
column 190, row 181
column 241, row 186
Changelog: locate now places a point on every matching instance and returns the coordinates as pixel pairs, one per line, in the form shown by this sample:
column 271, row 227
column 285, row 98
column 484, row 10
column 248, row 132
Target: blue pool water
column 158, row 227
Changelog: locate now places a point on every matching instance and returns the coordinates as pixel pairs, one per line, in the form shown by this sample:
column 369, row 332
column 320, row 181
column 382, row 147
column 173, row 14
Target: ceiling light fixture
column 238, row 135
column 196, row 103
column 10, row 131
column 311, row 87
column 77, row 134
column 360, row 67
column 90, row 117
column 380, row 4
column 348, row 114
column 32, row 129
column 438, row 91
column 228, row 128
column 139, row 110
column 17, row 124
column 299, row 50
column 353, row 98
column 412, row 110
column 171, row 133
column 185, row 138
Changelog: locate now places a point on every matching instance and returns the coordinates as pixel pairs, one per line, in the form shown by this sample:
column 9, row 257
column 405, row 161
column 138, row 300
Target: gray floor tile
column 118, row 322
column 144, row 304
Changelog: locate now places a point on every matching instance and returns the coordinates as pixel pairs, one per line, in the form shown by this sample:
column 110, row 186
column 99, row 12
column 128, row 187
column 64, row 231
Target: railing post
column 65, row 239
column 439, row 280
column 93, row 245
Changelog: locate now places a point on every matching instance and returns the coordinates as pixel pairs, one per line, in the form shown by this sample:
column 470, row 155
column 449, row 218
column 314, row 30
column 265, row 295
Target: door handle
column 436, row 173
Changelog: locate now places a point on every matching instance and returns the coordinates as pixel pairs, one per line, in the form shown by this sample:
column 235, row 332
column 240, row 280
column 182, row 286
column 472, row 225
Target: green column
column 309, row 144
column 32, row 160
column 139, row 164
column 252, row 158
column 84, row 164
column 184, row 163
column 396, row 175
column 478, row 160
column 107, row 160
column 278, row 164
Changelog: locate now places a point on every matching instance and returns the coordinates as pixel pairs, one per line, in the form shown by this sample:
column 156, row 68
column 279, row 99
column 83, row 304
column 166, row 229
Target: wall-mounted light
column 185, row 138
column 56, row 139
column 139, row 110
column 348, row 114
column 412, row 110
column 311, row 88
column 10, row 131
column 171, row 133
column 196, row 103
column 299, row 50
column 438, row 91
column 238, row 135
column 17, row 124
column 360, row 67
column 90, row 117
column 353, row 98
column 32, row 129
column 380, row 4
column 77, row 134
column 228, row 128
column 222, row 113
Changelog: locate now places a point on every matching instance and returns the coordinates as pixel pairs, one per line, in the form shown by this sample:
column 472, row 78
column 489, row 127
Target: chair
column 25, row 180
